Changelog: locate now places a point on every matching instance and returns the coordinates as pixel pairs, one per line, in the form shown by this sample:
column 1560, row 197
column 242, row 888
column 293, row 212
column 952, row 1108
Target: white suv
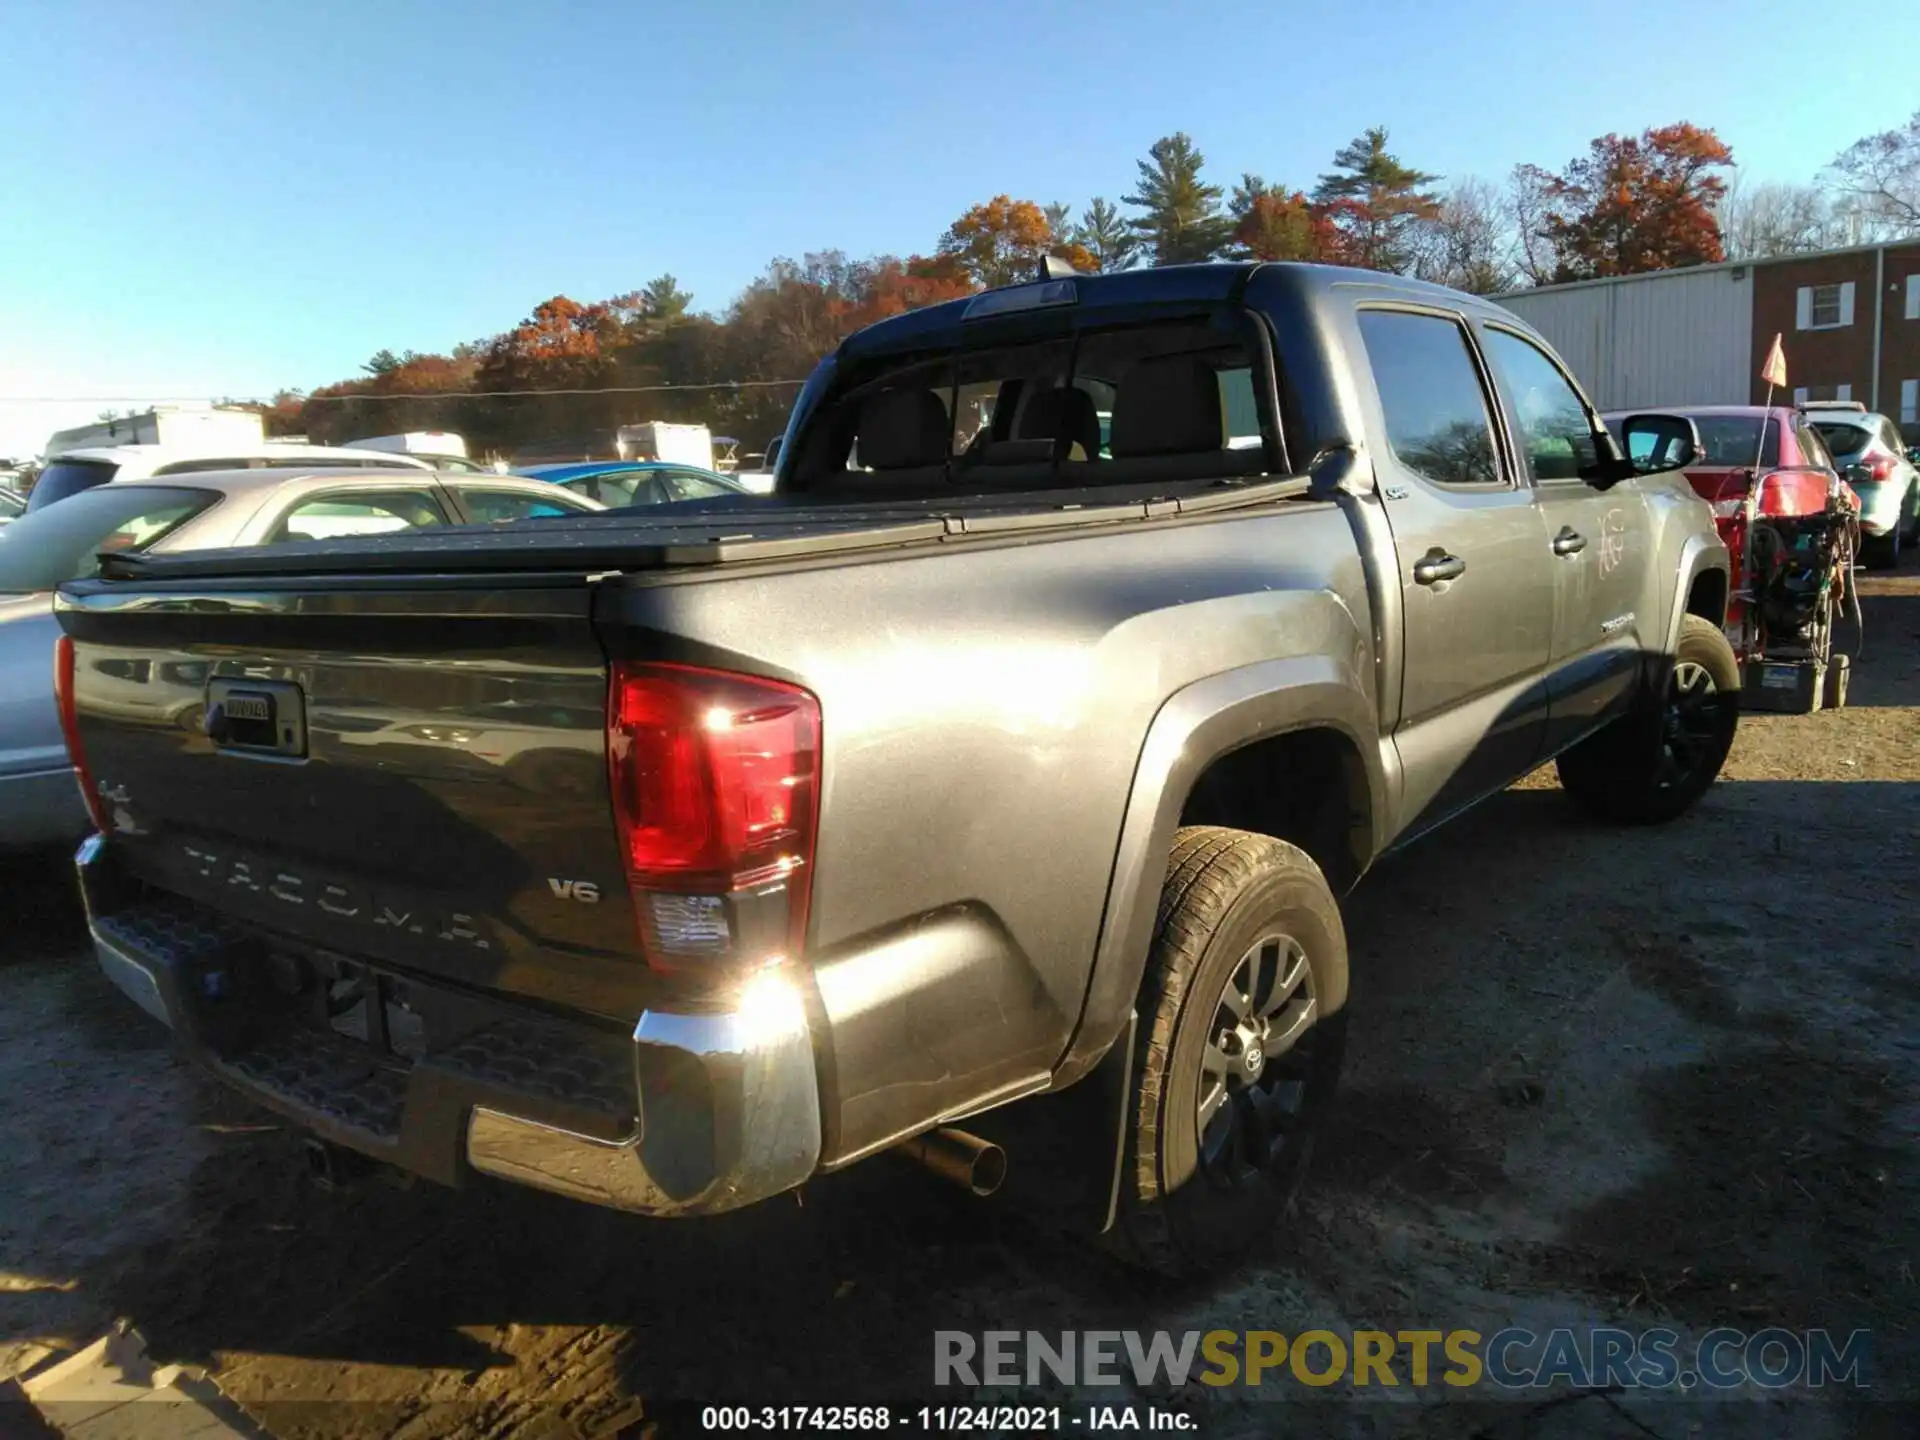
column 72, row 471
column 1872, row 458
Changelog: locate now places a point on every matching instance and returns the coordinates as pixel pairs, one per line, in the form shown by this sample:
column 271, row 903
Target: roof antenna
column 1056, row 267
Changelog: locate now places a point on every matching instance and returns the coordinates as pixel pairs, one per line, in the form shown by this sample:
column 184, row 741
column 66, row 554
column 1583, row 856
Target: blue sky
column 225, row 198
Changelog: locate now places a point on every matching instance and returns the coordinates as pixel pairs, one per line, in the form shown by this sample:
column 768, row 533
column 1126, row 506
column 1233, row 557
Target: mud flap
column 1066, row 1149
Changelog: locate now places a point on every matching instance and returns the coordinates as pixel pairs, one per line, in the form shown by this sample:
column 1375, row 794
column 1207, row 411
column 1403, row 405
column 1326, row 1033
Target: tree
column 1182, row 222
column 1003, row 241
column 1632, row 205
column 1882, row 172
column 1375, row 203
column 1106, row 236
column 666, row 302
column 1775, row 218
column 384, row 362
column 1466, row 243
column 1272, row 223
column 1526, row 215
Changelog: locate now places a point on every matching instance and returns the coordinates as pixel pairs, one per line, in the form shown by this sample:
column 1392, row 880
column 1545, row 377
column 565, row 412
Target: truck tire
column 1653, row 763
column 1247, row 947
column 1881, row 552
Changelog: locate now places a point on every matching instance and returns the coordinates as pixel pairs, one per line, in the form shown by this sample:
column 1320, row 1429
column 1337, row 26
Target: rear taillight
column 1878, row 467
column 70, row 730
column 715, row 793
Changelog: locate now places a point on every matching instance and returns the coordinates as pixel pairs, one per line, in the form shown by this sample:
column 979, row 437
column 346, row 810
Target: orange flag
column 1774, row 372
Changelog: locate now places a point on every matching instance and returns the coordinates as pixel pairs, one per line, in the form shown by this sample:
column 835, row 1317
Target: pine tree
column 1376, row 204
column 1106, row 235
column 1183, row 222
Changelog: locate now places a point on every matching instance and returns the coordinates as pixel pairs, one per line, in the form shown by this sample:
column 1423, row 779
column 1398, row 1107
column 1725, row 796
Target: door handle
column 1437, row 565
column 1569, row 541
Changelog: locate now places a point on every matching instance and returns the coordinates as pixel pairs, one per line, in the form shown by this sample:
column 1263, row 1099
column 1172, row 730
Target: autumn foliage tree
column 1273, row 223
column 1633, row 204
column 1003, row 241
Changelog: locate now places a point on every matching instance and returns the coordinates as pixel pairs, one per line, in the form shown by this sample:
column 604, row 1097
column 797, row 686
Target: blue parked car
column 619, row 483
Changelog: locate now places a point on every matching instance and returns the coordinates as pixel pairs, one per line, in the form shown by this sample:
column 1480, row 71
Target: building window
column 1913, row 296
column 1910, row 402
column 1823, row 307
column 1800, row 396
column 1843, row 392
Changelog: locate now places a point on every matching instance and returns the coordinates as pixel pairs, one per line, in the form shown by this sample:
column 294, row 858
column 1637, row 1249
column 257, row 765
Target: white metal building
column 1680, row 337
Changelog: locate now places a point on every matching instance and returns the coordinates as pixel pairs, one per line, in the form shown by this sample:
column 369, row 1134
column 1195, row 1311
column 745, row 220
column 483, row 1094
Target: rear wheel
column 1653, row 763
column 1881, row 552
column 1238, row 1051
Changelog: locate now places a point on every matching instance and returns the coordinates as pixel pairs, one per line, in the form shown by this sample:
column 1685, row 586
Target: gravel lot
column 1595, row 1076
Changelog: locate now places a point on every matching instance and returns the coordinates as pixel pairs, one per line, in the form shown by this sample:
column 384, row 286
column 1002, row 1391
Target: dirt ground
column 1595, row 1076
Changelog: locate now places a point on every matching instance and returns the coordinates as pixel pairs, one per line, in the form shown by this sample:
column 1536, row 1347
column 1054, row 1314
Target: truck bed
column 699, row 533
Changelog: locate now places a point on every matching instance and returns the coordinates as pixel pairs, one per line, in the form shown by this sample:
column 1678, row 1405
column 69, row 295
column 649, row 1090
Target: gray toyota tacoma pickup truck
column 984, row 793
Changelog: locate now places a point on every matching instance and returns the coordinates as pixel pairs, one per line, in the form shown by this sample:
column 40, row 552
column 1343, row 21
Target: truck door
column 1476, row 581
column 1598, row 540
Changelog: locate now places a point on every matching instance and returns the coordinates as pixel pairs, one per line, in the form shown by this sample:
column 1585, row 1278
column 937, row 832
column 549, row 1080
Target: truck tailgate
column 408, row 774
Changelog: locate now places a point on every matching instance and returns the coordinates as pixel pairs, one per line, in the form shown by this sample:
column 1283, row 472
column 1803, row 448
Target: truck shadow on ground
column 1774, row 1171
column 40, row 906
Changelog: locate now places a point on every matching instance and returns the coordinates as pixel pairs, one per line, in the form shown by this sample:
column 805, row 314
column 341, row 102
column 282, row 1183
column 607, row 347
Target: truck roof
column 1214, row 283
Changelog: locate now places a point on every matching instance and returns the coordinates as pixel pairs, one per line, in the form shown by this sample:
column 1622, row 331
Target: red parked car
column 1797, row 481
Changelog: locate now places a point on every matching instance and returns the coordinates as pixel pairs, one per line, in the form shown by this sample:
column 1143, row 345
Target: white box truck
column 659, row 440
column 179, row 426
column 415, row 442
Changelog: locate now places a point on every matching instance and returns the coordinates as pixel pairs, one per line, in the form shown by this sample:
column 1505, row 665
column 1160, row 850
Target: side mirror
column 1654, row 445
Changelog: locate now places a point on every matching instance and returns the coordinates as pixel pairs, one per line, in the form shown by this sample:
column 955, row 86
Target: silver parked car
column 1872, row 458
column 39, row 801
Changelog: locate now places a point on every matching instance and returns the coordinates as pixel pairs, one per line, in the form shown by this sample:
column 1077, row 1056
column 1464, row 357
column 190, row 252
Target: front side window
column 1555, row 431
column 371, row 512
column 1430, row 393
column 47, row 548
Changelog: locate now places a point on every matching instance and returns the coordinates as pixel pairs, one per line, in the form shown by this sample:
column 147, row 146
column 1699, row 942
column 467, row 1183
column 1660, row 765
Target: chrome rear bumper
column 760, row 1125
column 721, row 1109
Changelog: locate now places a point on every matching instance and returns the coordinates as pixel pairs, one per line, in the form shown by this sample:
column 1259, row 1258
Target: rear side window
column 344, row 513
column 633, row 487
column 50, row 547
column 1845, row 441
column 280, row 462
column 1431, row 395
column 1813, row 448
column 498, row 506
column 64, row 478
column 685, row 485
column 1111, row 405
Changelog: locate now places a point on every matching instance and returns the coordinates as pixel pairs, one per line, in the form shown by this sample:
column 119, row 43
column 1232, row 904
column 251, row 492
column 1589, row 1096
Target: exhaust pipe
column 977, row 1165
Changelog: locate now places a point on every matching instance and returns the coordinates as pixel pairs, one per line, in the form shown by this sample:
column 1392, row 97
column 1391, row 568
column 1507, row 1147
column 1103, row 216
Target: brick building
column 1849, row 319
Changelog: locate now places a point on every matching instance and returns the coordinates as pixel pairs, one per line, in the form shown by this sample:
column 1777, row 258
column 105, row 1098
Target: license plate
column 256, row 717
column 1780, row 677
